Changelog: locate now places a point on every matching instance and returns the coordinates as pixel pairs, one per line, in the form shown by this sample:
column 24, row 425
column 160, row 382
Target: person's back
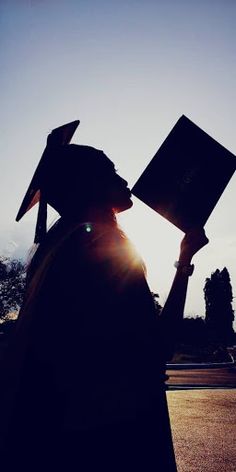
column 93, row 360
column 96, row 317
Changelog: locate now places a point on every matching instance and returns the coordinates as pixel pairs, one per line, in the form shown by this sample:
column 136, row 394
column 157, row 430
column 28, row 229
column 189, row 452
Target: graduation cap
column 186, row 177
column 58, row 137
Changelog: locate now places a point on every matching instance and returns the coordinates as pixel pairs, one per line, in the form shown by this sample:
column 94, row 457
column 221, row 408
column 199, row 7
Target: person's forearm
column 173, row 309
column 172, row 312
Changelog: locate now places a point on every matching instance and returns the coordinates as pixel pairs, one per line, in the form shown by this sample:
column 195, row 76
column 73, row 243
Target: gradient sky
column 128, row 70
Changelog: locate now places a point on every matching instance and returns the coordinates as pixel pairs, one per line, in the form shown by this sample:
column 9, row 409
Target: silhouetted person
column 87, row 363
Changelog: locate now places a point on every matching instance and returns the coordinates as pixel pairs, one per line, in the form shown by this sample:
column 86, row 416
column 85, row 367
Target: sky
column 127, row 70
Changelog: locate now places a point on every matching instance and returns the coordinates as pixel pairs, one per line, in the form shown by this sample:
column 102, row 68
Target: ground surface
column 204, row 429
column 224, row 377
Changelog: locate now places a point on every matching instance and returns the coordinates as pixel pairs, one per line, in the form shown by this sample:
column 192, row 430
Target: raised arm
column 172, row 313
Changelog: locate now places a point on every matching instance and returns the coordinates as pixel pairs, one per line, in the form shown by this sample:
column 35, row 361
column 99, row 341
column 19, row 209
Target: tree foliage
column 12, row 286
column 218, row 300
column 192, row 331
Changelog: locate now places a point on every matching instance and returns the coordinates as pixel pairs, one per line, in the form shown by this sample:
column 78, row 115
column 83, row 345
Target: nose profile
column 123, row 181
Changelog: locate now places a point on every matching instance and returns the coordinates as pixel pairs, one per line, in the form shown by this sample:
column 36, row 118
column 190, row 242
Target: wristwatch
column 185, row 269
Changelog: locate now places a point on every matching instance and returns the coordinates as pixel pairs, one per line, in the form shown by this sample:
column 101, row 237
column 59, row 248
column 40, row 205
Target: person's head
column 84, row 180
column 80, row 182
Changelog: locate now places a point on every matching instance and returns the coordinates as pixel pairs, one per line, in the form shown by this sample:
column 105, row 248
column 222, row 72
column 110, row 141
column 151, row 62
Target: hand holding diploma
column 192, row 242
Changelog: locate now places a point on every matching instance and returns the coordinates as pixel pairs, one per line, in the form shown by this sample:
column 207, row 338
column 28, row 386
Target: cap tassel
column 41, row 225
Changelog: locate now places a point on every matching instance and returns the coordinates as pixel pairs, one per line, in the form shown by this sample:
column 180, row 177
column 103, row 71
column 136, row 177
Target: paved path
column 204, row 429
column 224, row 377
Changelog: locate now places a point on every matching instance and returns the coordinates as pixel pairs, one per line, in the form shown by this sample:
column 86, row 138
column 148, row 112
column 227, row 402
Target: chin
column 123, row 206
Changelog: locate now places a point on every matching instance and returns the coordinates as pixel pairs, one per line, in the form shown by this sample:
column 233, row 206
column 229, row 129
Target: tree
column 12, row 286
column 219, row 312
column 192, row 331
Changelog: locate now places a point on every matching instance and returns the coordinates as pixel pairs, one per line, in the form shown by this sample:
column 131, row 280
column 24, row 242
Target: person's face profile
column 92, row 184
column 119, row 193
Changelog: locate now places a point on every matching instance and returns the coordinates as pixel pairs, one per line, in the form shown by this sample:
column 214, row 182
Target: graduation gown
column 91, row 391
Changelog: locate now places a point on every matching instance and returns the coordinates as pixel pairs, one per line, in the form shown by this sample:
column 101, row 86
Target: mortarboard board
column 58, row 137
column 186, row 177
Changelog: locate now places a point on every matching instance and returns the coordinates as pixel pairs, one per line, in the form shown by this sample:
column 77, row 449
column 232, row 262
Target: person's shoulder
column 86, row 241
column 95, row 244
